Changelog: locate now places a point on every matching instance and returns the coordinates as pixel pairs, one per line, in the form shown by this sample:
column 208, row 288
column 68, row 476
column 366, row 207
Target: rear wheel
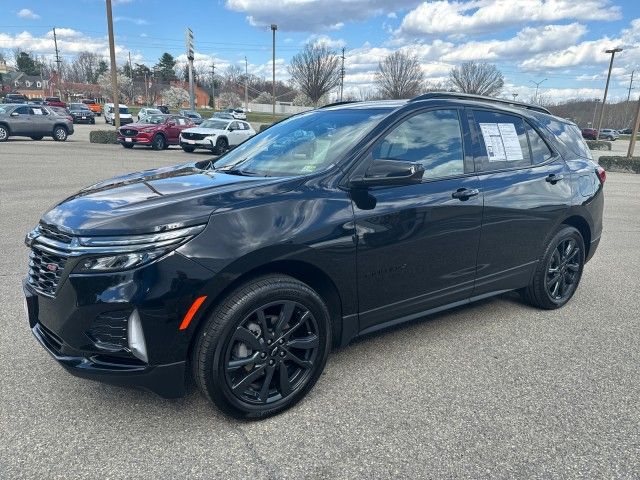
column 4, row 133
column 158, row 142
column 221, row 146
column 559, row 270
column 59, row 134
column 263, row 348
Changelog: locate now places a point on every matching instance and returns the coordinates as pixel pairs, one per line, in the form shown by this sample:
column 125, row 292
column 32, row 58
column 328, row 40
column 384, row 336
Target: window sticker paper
column 501, row 142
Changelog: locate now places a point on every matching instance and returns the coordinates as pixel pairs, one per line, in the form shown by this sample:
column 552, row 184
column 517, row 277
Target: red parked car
column 590, row 133
column 155, row 131
column 54, row 102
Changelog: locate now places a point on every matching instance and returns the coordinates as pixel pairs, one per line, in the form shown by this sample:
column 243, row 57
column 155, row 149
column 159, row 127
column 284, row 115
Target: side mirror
column 389, row 173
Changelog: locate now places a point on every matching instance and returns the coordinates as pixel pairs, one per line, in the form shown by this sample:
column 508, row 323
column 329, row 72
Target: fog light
column 136, row 337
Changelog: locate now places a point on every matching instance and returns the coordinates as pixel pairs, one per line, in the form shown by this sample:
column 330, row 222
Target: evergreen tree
column 165, row 67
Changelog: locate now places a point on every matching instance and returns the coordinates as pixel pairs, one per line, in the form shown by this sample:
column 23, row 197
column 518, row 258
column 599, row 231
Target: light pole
column 114, row 71
column 246, row 85
column 274, row 27
column 537, row 84
column 613, row 52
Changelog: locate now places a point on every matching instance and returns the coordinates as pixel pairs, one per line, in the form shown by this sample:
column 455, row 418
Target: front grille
column 56, row 235
column 128, row 132
column 45, row 270
column 193, row 136
column 109, row 330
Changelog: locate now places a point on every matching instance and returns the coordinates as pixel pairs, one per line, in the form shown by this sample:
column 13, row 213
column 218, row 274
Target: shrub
column 103, row 136
column 598, row 145
column 263, row 127
column 620, row 164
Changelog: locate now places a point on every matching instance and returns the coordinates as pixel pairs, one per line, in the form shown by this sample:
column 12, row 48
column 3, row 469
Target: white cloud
column 29, row 14
column 313, row 15
column 483, row 16
column 326, row 40
column 137, row 21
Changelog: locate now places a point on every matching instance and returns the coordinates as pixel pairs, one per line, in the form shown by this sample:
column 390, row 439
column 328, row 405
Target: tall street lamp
column 613, row 52
column 274, row 27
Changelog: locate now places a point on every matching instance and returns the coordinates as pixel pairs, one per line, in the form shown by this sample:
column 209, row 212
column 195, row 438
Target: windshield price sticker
column 501, row 142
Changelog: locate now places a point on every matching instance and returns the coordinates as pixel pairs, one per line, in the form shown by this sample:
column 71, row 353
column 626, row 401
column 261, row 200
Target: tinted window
column 503, row 141
column 23, row 110
column 568, row 134
column 540, row 151
column 433, row 139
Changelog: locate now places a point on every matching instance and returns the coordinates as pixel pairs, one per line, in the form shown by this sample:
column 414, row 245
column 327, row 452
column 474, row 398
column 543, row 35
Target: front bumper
column 137, row 140
column 87, row 119
column 161, row 292
column 206, row 143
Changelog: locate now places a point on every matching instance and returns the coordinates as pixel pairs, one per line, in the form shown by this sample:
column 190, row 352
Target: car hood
column 204, row 131
column 155, row 200
column 142, row 126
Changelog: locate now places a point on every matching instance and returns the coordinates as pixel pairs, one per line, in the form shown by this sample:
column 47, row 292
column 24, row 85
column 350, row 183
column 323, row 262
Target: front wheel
column 559, row 270
column 60, row 134
column 4, row 133
column 188, row 149
column 158, row 142
column 127, row 145
column 263, row 348
column 221, row 146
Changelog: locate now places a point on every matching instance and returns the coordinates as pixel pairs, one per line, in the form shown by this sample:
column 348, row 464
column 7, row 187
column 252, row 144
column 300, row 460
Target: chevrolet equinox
column 244, row 271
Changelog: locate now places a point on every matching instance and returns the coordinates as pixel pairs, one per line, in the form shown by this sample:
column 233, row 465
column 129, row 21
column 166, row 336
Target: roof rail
column 338, row 103
column 480, row 98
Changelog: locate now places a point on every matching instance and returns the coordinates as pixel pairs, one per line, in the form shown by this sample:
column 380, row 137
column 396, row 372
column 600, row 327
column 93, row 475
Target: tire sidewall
column 55, row 134
column 4, row 137
column 215, row 383
column 158, row 142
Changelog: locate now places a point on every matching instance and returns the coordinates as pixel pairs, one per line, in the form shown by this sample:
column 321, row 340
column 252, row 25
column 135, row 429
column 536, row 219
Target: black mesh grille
column 109, row 330
column 45, row 270
column 193, row 136
column 128, row 132
column 54, row 234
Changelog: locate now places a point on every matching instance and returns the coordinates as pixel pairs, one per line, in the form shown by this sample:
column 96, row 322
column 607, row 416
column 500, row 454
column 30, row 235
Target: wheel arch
column 307, row 273
column 59, row 124
column 581, row 224
column 6, row 125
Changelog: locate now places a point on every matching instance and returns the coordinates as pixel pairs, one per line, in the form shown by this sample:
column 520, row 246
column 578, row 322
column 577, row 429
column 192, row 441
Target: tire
column 558, row 273
column 36, row 137
column 127, row 145
column 158, row 142
column 4, row 133
column 221, row 146
column 60, row 134
column 93, row 121
column 189, row 149
column 263, row 351
column 105, row 120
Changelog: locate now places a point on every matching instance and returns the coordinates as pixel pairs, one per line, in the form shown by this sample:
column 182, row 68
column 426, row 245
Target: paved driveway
column 494, row 390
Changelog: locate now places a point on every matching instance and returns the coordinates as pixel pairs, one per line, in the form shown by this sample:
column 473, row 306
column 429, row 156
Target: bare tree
column 315, row 70
column 479, row 78
column 399, row 76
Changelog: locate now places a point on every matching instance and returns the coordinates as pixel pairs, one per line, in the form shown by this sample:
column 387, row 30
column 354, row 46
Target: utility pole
column 131, row 77
column 246, row 85
column 213, row 85
column 146, row 90
column 189, row 41
column 342, row 75
column 630, row 85
column 58, row 61
column 114, row 70
column 634, row 132
column 613, row 52
column 274, row 27
column 537, row 84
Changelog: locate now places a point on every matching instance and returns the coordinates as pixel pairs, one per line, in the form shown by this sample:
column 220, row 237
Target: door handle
column 553, row 178
column 465, row 193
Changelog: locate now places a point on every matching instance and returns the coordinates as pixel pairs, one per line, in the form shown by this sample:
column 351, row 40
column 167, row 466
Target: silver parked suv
column 35, row 121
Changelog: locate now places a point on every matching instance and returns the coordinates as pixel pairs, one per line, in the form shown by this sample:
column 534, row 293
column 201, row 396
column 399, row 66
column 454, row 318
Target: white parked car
column 110, row 116
column 237, row 113
column 146, row 111
column 216, row 134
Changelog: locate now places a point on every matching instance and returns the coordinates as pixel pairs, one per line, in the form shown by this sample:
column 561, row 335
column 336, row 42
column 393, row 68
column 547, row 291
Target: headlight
column 111, row 254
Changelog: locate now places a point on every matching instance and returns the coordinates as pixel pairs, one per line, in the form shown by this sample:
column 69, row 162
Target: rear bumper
column 592, row 249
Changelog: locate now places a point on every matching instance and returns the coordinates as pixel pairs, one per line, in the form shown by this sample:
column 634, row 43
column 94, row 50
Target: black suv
column 244, row 271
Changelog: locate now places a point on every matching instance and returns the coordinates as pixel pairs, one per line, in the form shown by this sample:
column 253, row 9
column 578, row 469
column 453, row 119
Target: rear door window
column 503, row 142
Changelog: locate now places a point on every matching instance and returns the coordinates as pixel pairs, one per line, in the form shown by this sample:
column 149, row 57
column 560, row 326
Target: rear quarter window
column 569, row 135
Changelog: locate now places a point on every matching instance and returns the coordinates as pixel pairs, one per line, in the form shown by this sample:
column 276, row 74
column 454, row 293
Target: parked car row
column 34, row 121
column 606, row 134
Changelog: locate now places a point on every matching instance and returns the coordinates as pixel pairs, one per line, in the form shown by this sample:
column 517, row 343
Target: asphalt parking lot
column 494, row 390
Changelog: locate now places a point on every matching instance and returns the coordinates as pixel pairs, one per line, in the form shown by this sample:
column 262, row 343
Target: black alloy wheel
column 263, row 347
column 271, row 353
column 563, row 269
column 221, row 146
column 158, row 142
column 559, row 270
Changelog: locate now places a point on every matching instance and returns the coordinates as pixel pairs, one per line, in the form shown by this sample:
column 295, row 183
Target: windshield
column 3, row 109
column 217, row 124
column 154, row 119
column 152, row 111
column 303, row 144
column 78, row 106
column 191, row 114
column 124, row 110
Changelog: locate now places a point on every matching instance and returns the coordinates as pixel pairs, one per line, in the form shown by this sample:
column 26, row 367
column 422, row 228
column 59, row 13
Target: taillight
column 602, row 175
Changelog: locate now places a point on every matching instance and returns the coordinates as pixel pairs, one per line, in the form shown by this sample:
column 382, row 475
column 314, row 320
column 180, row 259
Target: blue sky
column 562, row 41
